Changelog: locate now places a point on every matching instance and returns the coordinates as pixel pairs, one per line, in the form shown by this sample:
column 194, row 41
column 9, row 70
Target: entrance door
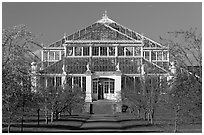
column 100, row 92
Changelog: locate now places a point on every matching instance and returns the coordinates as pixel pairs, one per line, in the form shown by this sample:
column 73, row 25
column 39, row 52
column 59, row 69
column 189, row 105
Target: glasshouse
column 102, row 59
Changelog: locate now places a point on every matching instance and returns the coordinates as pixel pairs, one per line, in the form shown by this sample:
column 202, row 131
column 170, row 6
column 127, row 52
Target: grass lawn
column 64, row 124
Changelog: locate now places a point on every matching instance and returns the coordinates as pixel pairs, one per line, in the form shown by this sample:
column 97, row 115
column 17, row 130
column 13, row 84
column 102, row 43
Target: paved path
column 101, row 122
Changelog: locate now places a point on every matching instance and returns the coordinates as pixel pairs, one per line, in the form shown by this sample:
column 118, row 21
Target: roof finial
column 105, row 13
column 65, row 35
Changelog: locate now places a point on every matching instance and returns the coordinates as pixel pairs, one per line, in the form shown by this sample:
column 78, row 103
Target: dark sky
column 52, row 20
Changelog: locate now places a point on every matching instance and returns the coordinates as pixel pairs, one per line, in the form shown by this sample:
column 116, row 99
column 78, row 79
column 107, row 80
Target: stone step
column 103, row 107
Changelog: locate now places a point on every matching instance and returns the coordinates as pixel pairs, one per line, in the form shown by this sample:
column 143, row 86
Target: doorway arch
column 103, row 88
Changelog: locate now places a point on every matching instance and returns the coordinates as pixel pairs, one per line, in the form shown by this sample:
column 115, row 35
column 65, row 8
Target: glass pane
column 57, row 55
column 165, row 55
column 69, row 51
column 95, row 51
column 95, row 85
column 111, row 86
column 120, row 51
column 78, row 51
column 159, row 55
column 103, row 51
column 165, row 65
column 51, row 55
column 146, row 55
column 77, row 81
column 62, row 53
column 106, row 84
column 111, row 51
column 45, row 53
column 153, row 55
column 69, row 81
column 84, row 83
column 129, row 51
column 160, row 64
column 137, row 51
column 86, row 51
column 58, row 81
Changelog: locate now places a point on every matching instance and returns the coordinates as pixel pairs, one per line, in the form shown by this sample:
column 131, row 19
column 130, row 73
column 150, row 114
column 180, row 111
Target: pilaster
column 88, row 86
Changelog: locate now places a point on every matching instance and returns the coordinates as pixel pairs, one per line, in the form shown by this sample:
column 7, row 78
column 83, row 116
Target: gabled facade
column 101, row 58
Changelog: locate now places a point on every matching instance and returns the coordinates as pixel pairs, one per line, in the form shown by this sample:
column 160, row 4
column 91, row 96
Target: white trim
column 121, row 33
column 102, row 41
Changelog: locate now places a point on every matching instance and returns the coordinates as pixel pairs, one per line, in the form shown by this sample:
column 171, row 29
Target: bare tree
column 185, row 94
column 16, row 55
column 186, row 49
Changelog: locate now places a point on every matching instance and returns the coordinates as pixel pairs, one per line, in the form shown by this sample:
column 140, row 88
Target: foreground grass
column 65, row 123
column 128, row 122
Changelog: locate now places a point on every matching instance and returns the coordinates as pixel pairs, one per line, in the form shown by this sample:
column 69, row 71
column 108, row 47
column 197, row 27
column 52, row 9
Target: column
column 117, row 90
column 55, row 81
column 81, row 83
column 60, row 55
column 134, row 83
column 72, row 81
column 46, row 82
column 88, row 87
column 42, row 55
column 63, row 80
column 116, row 50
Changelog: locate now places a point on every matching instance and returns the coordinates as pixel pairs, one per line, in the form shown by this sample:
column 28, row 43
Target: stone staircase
column 103, row 107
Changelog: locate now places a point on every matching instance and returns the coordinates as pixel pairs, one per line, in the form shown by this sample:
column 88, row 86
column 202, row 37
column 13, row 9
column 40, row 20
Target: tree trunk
column 9, row 124
column 46, row 116
column 52, row 116
column 175, row 122
column 70, row 111
column 56, row 115
column 151, row 118
column 38, row 111
column 145, row 115
column 138, row 113
column 175, row 125
column 176, row 119
column 22, row 124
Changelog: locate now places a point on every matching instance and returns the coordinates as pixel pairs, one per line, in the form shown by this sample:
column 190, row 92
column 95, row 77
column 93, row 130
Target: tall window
column 137, row 51
column 78, row 51
column 146, row 55
column 51, row 81
column 111, row 51
column 165, row 53
column 111, row 86
column 62, row 53
column 86, row 51
column 69, row 51
column 129, row 51
column 84, row 83
column 121, row 51
column 159, row 55
column 95, row 85
column 106, row 87
column 57, row 54
column 69, row 80
column 95, row 51
column 45, row 54
column 51, row 55
column 77, row 81
column 153, row 55
column 58, row 81
column 103, row 51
